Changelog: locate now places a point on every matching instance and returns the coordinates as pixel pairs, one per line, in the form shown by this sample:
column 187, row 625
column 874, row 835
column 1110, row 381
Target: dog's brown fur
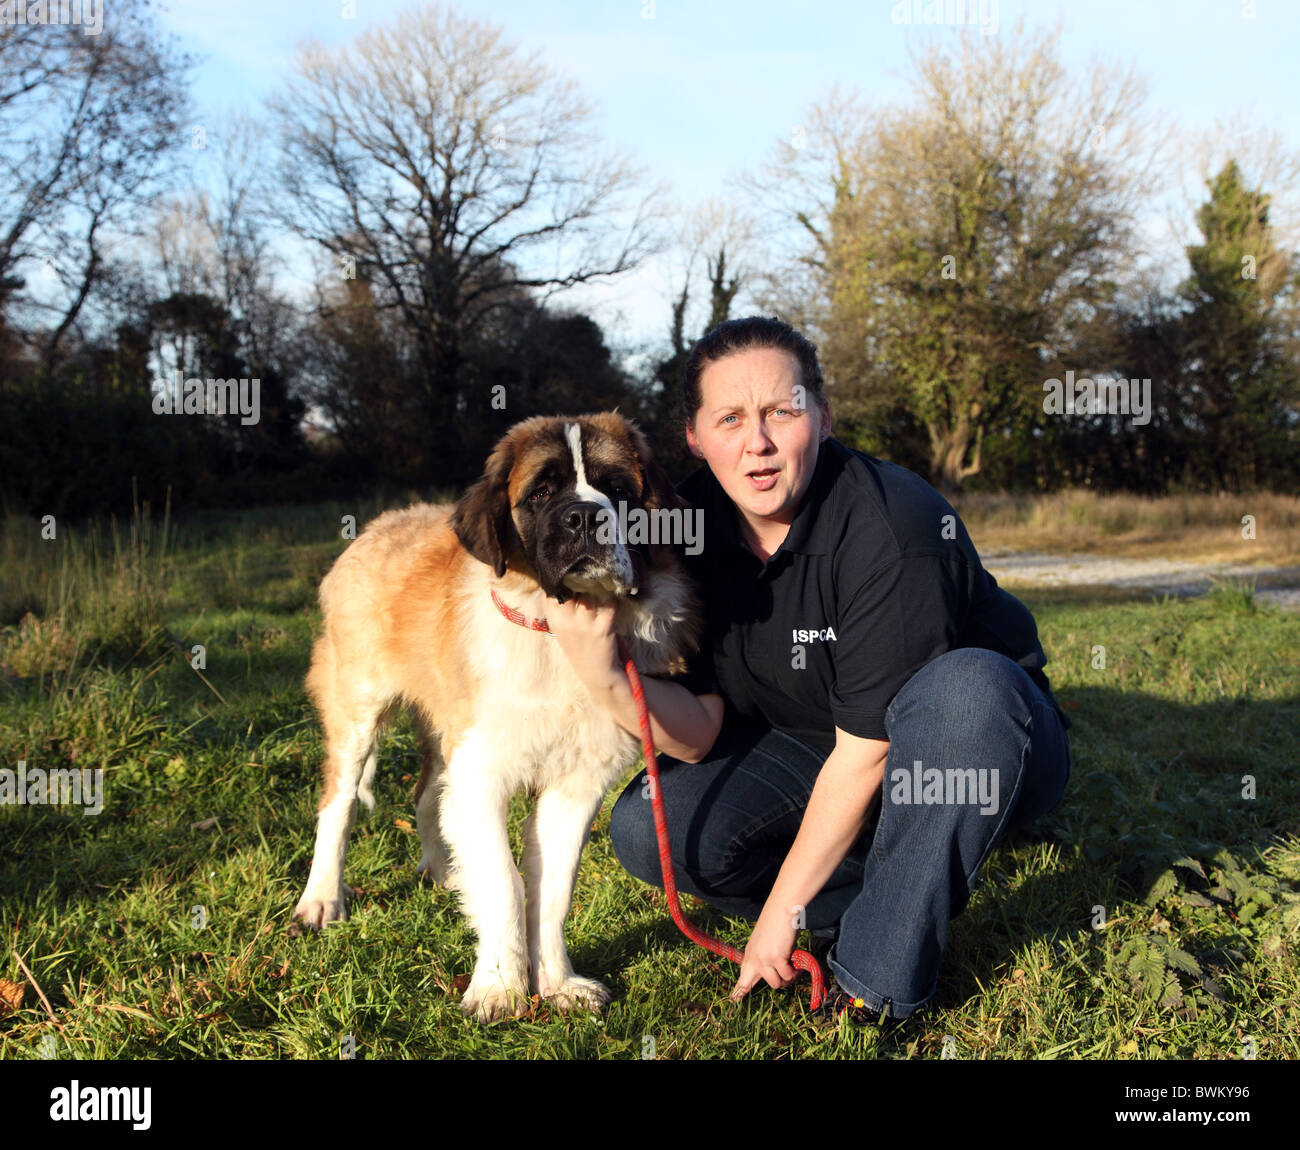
column 409, row 621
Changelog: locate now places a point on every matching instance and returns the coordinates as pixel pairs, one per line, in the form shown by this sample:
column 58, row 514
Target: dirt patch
column 1273, row 584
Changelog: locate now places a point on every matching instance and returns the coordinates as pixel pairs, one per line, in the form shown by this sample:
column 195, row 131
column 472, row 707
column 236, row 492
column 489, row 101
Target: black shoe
column 839, row 1003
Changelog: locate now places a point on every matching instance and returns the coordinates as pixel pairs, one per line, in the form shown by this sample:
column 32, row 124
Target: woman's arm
column 684, row 726
column 847, row 787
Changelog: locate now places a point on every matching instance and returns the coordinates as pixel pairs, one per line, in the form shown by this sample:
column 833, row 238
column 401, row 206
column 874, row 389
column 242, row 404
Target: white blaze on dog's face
column 549, row 501
column 612, row 570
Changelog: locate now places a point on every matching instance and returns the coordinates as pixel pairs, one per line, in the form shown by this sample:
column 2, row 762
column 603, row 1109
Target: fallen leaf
column 11, row 994
column 403, row 825
column 203, row 825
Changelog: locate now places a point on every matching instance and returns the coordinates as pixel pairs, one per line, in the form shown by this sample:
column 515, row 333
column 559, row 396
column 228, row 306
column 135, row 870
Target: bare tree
column 716, row 239
column 795, row 198
column 1266, row 160
column 86, row 123
column 452, row 171
column 214, row 241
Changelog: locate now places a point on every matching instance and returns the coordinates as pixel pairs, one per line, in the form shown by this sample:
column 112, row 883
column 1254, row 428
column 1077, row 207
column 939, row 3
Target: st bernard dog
column 418, row 613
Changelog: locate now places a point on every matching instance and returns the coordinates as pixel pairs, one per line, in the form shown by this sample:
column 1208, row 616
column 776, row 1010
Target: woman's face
column 759, row 435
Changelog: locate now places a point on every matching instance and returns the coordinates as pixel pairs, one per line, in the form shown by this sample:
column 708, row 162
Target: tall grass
column 97, row 593
column 100, row 592
column 1079, row 520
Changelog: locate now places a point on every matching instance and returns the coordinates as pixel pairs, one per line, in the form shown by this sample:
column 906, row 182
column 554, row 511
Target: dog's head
column 569, row 502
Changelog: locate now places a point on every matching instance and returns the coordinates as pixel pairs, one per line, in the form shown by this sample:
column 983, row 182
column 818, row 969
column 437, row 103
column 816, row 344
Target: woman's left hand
column 767, row 955
column 585, row 632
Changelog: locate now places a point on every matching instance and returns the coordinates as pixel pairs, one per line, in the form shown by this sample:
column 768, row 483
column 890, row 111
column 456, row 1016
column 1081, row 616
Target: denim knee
column 632, row 833
column 985, row 702
column 962, row 668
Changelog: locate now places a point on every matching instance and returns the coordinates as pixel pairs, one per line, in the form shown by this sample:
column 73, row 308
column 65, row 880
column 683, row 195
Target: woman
column 869, row 713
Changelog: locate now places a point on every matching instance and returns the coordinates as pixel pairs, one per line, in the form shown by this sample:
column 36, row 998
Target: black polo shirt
column 876, row 578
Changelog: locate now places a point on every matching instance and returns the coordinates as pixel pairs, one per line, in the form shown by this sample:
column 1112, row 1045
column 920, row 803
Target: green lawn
column 211, row 783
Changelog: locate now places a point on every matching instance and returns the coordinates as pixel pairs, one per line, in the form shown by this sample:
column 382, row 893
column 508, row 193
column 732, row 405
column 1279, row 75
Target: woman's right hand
column 684, row 725
column 585, row 632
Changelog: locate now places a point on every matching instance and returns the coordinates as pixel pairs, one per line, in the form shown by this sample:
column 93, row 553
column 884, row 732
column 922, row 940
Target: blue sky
column 698, row 91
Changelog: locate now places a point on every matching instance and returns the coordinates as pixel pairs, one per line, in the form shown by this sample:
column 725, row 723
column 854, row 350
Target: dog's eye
column 620, row 487
column 540, row 495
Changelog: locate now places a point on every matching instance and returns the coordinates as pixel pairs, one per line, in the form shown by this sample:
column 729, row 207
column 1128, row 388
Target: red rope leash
column 801, row 959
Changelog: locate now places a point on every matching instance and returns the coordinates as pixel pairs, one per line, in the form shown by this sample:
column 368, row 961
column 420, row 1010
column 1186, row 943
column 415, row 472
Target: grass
column 1155, row 914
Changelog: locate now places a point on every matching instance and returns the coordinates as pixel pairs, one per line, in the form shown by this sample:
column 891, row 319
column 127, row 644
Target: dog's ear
column 659, row 488
column 482, row 519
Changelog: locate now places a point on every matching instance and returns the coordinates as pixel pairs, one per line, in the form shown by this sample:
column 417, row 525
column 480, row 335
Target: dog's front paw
column 578, row 991
column 490, row 999
column 314, row 912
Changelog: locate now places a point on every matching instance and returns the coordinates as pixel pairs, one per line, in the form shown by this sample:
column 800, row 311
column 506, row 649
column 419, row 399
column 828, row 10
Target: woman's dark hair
column 754, row 331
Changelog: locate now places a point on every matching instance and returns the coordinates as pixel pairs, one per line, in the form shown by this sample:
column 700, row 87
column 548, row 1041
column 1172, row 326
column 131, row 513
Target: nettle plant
column 1244, row 910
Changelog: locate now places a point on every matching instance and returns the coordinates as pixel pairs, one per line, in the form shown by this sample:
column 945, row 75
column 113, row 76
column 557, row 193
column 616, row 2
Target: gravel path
column 1280, row 585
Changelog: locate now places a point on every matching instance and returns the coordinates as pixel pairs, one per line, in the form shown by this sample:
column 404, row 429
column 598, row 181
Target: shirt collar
column 809, row 532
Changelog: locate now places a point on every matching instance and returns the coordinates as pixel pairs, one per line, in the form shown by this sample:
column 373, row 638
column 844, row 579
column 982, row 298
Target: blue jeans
column 733, row 817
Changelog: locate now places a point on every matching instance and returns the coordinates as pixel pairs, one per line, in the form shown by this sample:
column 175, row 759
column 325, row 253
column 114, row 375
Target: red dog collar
column 517, row 616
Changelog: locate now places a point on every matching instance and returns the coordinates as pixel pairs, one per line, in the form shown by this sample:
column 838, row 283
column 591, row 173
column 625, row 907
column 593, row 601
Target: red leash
column 801, row 959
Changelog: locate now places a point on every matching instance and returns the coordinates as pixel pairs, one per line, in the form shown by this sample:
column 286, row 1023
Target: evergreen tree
column 1240, row 386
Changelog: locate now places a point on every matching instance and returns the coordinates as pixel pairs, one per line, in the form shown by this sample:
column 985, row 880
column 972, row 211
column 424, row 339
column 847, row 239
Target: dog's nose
column 581, row 519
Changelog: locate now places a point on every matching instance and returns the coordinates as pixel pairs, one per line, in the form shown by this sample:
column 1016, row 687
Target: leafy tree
column 524, row 360
column 960, row 240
